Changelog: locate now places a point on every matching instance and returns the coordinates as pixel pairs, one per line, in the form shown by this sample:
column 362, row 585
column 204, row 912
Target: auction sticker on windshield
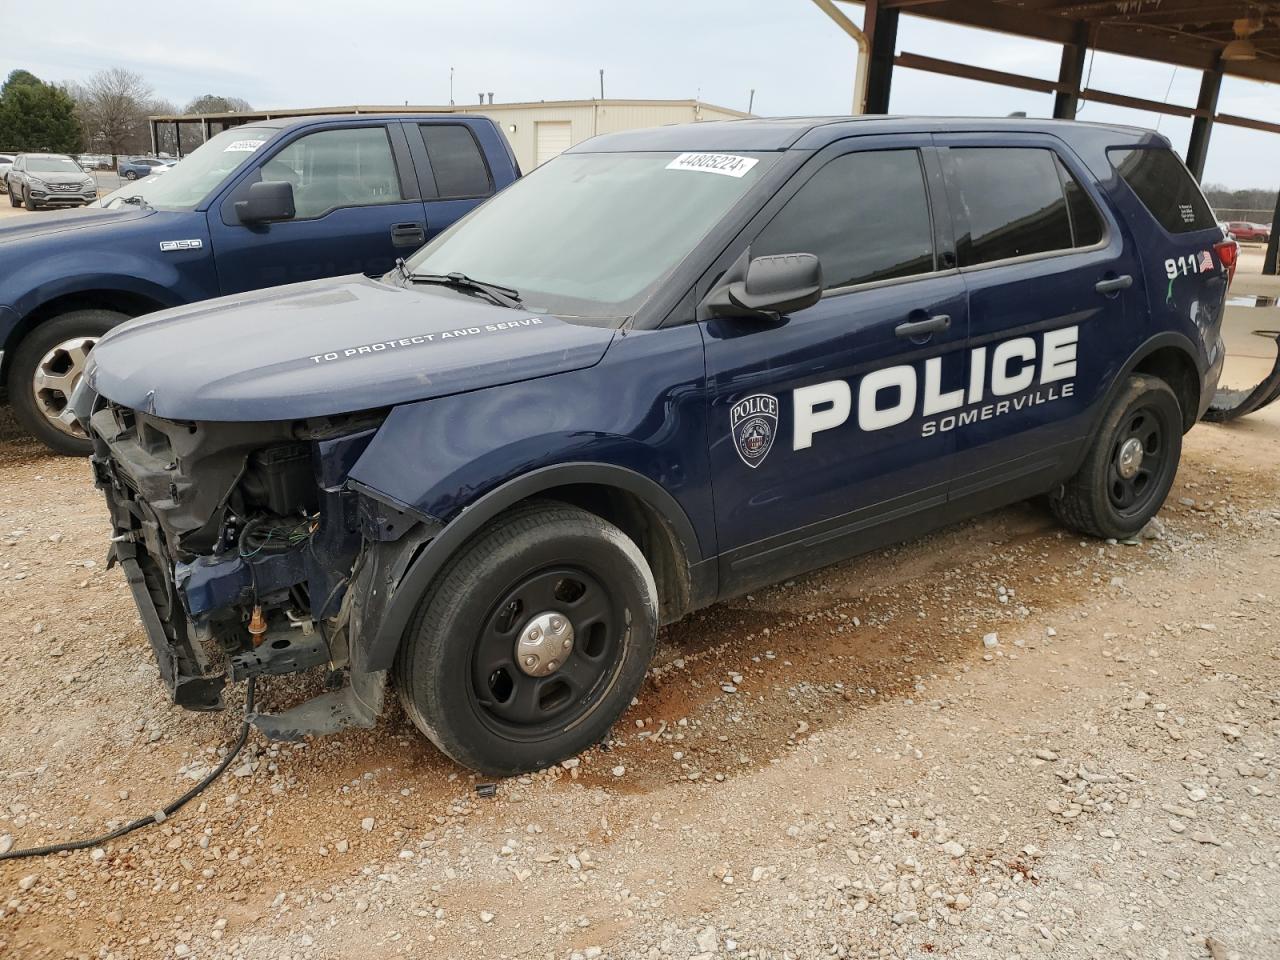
column 243, row 146
column 725, row 164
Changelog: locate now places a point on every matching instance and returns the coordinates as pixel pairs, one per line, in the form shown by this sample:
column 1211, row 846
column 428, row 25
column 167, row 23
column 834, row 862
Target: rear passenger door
column 817, row 445
column 452, row 170
column 1051, row 284
column 357, row 209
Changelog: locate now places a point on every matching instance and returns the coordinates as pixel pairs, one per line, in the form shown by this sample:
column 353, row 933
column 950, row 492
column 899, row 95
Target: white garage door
column 553, row 139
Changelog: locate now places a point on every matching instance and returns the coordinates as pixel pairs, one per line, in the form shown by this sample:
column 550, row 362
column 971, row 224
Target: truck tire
column 46, row 367
column 1131, row 464
column 531, row 642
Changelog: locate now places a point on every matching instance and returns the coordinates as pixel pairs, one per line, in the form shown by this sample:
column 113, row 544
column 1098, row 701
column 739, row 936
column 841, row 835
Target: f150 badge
column 168, row 245
column 753, row 421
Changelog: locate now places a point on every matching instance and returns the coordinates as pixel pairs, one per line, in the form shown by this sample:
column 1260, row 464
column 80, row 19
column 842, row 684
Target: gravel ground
column 841, row 766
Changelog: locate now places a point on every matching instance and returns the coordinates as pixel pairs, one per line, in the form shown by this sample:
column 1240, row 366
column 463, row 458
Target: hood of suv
column 327, row 347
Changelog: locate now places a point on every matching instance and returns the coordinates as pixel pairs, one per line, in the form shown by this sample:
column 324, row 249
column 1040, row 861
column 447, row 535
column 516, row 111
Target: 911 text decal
column 894, row 395
column 421, row 339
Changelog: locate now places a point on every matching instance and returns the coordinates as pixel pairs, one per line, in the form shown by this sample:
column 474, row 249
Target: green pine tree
column 37, row 116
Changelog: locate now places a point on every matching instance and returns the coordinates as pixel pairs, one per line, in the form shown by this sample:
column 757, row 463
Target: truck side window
column 865, row 216
column 351, row 167
column 1007, row 202
column 456, row 161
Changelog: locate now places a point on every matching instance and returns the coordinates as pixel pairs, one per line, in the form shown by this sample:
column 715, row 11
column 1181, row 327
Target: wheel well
column 1178, row 370
column 650, row 531
column 130, row 304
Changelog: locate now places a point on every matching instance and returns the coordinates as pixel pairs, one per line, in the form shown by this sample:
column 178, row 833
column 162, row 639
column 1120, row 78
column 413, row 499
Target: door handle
column 923, row 328
column 1113, row 284
column 408, row 235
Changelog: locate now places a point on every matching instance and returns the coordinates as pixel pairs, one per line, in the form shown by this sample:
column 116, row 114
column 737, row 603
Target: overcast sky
column 327, row 53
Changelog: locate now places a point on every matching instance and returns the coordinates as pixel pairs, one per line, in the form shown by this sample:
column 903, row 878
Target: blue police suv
column 268, row 203
column 667, row 367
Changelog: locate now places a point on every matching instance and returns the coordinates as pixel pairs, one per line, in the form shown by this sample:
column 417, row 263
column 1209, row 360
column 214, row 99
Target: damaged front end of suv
column 248, row 554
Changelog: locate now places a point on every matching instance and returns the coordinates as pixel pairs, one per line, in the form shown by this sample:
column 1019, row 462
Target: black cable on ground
column 165, row 812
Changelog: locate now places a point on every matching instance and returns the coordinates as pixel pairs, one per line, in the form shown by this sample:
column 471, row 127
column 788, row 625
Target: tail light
column 1227, row 251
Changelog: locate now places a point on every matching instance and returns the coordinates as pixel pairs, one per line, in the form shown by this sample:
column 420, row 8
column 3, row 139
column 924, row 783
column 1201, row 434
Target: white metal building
column 538, row 131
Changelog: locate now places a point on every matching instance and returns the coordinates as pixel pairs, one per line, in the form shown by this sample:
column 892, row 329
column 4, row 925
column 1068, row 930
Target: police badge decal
column 753, row 422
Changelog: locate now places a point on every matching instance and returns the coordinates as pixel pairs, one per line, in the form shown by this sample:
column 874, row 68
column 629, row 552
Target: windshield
column 52, row 165
column 591, row 234
column 199, row 173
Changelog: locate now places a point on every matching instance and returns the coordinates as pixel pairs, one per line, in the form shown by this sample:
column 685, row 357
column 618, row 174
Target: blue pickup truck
column 274, row 202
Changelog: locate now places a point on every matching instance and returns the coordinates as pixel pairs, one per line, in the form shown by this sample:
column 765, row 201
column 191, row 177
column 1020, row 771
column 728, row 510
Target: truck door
column 357, row 203
column 453, row 173
column 1051, row 283
column 817, row 420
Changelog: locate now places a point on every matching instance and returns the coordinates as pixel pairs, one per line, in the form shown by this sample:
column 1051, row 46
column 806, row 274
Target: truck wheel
column 46, row 368
column 1131, row 464
column 532, row 641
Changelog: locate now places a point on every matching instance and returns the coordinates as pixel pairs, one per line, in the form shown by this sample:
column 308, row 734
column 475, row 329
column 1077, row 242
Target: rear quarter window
column 1165, row 187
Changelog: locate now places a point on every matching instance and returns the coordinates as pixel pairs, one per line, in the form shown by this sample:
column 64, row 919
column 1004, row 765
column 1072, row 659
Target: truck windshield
column 592, row 234
column 199, row 173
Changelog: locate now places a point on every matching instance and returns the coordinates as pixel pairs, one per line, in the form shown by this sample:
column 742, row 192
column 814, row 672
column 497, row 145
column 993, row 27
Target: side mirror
column 768, row 286
column 267, row 200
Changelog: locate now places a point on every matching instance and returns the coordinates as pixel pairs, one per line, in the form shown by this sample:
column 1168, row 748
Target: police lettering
column 893, row 395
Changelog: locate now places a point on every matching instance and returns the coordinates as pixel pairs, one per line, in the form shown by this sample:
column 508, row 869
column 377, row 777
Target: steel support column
column 1269, row 265
column 1071, row 74
column 881, row 28
column 1202, row 125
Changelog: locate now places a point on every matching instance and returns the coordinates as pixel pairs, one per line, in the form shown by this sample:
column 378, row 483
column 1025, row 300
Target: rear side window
column 456, row 161
column 1165, row 187
column 865, row 216
column 1007, row 202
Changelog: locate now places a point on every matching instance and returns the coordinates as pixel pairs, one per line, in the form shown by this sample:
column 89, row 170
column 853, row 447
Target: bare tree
column 213, row 103
column 113, row 109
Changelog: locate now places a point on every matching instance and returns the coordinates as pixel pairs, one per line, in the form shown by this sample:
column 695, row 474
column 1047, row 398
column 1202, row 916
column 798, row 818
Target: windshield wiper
column 502, row 296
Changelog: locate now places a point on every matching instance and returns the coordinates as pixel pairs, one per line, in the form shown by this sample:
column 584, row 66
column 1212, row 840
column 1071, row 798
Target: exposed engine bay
column 249, row 554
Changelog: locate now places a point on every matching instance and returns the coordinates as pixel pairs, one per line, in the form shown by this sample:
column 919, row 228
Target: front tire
column 532, row 641
column 26, row 199
column 1131, row 465
column 46, row 368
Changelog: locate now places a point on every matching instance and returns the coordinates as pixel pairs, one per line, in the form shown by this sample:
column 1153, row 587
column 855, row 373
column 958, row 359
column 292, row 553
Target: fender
column 1168, row 338
column 380, row 650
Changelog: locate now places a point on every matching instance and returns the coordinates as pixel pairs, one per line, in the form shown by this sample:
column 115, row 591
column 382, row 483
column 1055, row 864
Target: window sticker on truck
column 725, row 164
column 243, row 146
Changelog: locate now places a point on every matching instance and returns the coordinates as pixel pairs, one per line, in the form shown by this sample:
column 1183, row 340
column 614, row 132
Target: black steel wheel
column 1131, row 464
column 532, row 641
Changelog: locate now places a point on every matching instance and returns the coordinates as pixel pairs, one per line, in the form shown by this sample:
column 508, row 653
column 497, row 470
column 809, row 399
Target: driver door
column 358, row 208
column 824, row 432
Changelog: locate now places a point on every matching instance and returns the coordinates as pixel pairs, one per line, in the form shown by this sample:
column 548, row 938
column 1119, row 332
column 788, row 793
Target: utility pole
column 602, row 83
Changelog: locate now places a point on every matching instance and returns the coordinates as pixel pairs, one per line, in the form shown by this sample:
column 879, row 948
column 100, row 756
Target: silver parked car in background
column 49, row 180
column 6, row 162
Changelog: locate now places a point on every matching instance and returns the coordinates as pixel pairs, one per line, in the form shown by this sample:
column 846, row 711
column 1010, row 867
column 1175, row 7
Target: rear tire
column 486, row 687
column 1131, row 465
column 55, row 348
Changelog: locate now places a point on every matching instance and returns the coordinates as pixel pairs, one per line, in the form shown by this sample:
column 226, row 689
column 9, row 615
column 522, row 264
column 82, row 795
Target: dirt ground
column 836, row 767
column 839, row 766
